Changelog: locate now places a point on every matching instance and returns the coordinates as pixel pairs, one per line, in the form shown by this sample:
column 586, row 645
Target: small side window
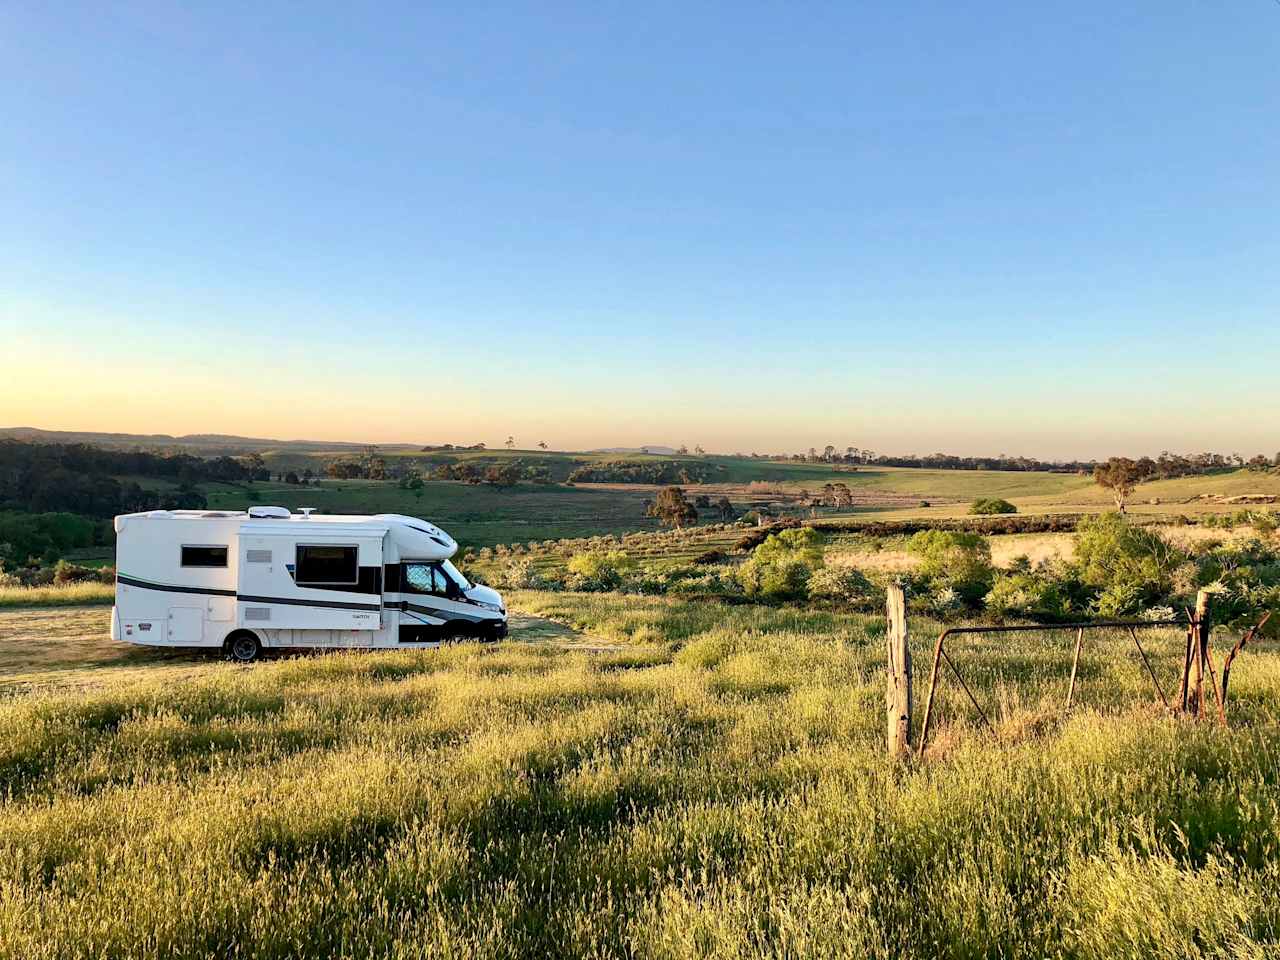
column 327, row 566
column 204, row 556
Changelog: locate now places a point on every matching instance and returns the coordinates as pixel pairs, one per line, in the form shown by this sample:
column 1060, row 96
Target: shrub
column 597, row 569
column 750, row 542
column 987, row 506
column 786, row 578
column 647, row 580
column 1264, row 524
column 1130, row 567
column 955, row 559
column 943, row 602
column 841, row 584
column 521, row 573
column 780, row 567
column 66, row 572
column 804, row 542
column 1028, row 594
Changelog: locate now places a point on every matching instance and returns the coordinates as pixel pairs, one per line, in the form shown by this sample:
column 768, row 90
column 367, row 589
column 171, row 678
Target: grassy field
column 714, row 784
column 1189, row 496
column 476, row 516
column 65, row 595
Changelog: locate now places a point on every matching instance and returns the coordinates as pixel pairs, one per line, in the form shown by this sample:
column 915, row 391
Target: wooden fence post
column 1201, row 629
column 897, row 694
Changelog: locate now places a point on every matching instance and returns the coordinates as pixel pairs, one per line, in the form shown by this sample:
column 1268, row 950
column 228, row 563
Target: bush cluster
column 780, row 567
column 1263, row 521
column 988, row 525
column 954, row 560
column 60, row 574
column 1121, row 570
column 648, row 471
column 987, row 506
column 34, row 539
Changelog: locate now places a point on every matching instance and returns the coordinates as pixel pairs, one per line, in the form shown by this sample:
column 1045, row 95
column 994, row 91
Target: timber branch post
column 897, row 695
column 1201, row 628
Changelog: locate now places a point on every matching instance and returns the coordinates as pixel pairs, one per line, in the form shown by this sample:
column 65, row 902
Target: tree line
column 1164, row 467
column 76, row 478
column 1121, row 475
column 647, row 471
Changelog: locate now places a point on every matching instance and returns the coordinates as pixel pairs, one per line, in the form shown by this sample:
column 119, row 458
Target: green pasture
column 476, row 515
column 713, row 784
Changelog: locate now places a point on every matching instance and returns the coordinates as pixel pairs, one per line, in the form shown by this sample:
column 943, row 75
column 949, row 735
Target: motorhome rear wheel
column 243, row 647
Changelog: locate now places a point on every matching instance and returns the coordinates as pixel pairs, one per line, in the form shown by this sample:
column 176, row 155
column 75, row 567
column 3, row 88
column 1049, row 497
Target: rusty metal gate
column 1197, row 661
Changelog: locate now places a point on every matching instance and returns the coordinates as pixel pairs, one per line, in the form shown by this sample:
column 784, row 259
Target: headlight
column 495, row 607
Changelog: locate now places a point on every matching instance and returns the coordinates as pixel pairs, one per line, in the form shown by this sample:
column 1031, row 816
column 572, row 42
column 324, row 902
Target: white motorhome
column 244, row 582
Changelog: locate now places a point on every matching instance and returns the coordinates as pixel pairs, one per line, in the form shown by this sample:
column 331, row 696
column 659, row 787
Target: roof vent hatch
column 269, row 513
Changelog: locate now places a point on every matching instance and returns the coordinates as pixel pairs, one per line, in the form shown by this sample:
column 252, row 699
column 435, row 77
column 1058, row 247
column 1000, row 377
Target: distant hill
column 219, row 444
column 204, row 443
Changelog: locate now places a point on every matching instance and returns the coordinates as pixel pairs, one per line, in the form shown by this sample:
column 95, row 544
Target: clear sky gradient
column 1041, row 228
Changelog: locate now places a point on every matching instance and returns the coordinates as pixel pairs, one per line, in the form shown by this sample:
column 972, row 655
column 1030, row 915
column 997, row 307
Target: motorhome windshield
column 456, row 575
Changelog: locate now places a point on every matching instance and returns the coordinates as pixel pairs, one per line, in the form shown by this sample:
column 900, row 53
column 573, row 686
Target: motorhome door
column 322, row 577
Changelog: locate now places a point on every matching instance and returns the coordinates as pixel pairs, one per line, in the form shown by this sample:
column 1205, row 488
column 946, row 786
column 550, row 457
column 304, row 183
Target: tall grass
column 716, row 787
column 62, row 595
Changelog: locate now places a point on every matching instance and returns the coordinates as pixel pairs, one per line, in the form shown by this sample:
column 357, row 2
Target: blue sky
column 1049, row 229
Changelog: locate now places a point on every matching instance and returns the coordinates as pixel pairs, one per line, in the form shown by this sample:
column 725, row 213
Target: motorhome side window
column 326, row 566
column 425, row 578
column 204, row 556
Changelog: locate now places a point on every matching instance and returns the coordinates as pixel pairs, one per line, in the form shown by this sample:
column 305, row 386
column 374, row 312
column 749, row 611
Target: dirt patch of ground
column 527, row 629
column 72, row 646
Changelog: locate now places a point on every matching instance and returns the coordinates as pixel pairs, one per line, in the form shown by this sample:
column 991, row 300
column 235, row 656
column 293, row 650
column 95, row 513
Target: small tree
column 726, row 509
column 542, row 444
column 672, row 509
column 1119, row 475
column 511, row 442
column 842, row 495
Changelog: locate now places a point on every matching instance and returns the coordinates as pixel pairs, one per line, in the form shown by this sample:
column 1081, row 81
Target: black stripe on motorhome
column 210, row 591
column 297, row 602
column 173, row 588
column 436, row 612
